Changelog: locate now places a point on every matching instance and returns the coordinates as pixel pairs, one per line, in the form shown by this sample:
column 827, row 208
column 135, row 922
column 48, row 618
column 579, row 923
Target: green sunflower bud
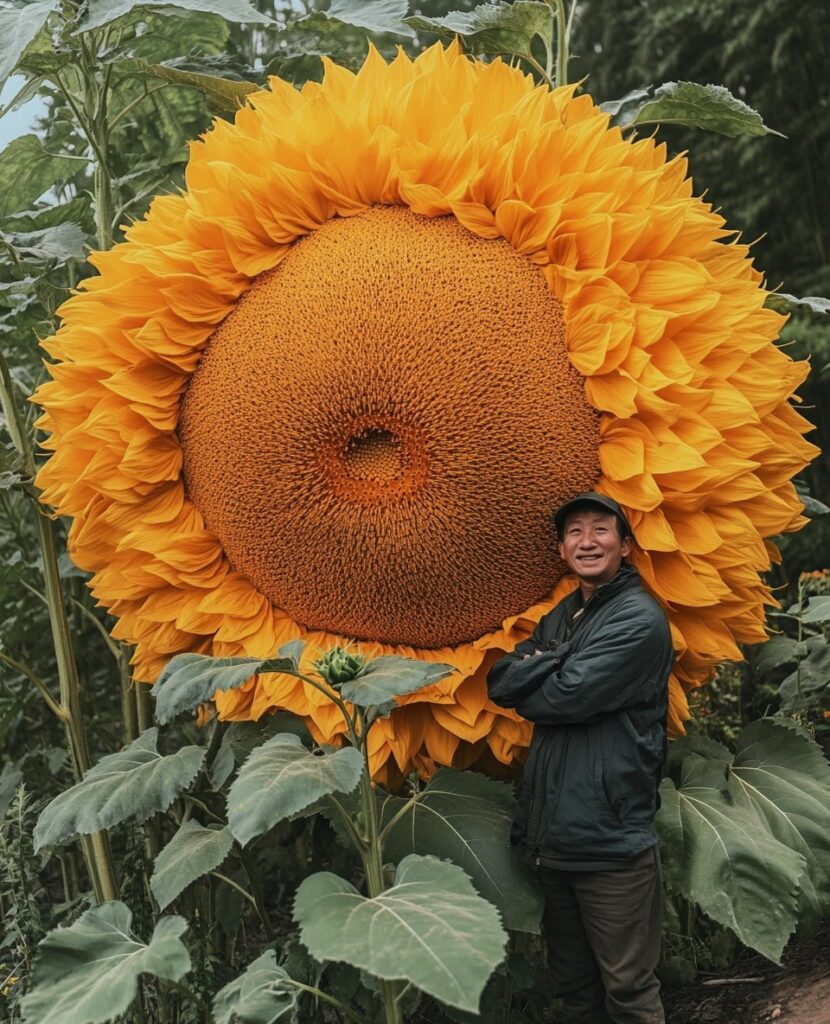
column 339, row 666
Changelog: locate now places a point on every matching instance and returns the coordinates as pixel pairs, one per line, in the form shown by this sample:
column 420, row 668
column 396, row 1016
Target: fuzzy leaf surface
column 222, row 94
column 465, row 817
column 430, row 928
column 717, row 856
column 18, row 27
column 27, row 171
column 192, row 852
column 54, row 244
column 88, row 973
column 282, row 778
column 259, row 996
column 392, row 676
column 374, row 16
column 494, row 28
column 133, row 783
column 783, row 778
column 188, row 680
column 782, row 302
column 712, row 108
column 102, row 12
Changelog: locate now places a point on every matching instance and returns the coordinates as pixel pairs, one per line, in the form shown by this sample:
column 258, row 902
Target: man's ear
column 561, row 547
column 626, row 547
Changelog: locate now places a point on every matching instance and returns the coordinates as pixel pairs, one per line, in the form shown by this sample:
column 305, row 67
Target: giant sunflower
column 336, row 387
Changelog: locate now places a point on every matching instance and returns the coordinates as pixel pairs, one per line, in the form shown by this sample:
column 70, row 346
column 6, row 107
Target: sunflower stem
column 96, row 847
column 373, row 862
column 563, row 31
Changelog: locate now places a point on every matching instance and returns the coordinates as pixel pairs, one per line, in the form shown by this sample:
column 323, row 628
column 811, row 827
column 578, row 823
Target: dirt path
column 755, row 991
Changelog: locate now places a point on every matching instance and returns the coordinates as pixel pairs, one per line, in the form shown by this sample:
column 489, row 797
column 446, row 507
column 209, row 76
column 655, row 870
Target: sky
column 17, row 122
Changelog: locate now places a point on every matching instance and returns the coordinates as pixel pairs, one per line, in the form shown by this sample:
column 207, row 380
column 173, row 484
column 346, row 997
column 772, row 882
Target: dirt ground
column 755, row 991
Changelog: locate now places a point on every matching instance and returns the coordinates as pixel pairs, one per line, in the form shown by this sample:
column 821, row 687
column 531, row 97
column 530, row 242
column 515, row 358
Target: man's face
column 591, row 546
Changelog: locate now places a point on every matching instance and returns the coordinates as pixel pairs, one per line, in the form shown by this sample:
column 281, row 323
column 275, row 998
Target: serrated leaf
column 494, row 28
column 133, row 783
column 88, row 973
column 811, row 674
column 18, row 27
column 624, row 109
column 430, row 928
column 188, row 680
column 243, row 737
column 375, row 16
column 54, row 244
column 102, row 12
column 465, row 817
column 783, row 777
column 259, row 996
column 222, row 767
column 818, row 609
column 192, row 852
column 222, row 94
column 282, row 778
column 712, row 108
column 392, row 676
column 781, row 302
column 27, row 171
column 777, row 651
column 715, row 855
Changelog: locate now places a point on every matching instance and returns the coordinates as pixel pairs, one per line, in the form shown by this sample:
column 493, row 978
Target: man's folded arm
column 602, row 678
column 515, row 675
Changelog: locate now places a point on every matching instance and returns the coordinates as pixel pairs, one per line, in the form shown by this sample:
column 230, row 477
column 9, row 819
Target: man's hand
column 526, row 656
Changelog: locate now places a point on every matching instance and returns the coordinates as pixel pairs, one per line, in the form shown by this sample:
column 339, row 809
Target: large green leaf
column 717, row 856
column 18, row 27
column 376, row 16
column 783, row 777
column 811, row 674
column 259, row 996
column 430, row 928
column 48, row 245
column 465, row 817
column 494, row 28
column 192, row 852
column 221, row 93
column 102, row 12
column 391, row 676
column 818, row 609
column 27, row 171
column 134, row 783
column 88, row 973
column 282, row 778
column 784, row 303
column 710, row 107
column 188, row 680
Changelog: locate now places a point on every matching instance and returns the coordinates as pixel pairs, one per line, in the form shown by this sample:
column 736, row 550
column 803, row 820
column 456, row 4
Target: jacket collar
column 626, row 577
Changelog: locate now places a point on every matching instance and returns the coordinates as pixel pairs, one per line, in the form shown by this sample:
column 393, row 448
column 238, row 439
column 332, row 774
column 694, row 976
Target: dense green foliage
column 178, row 851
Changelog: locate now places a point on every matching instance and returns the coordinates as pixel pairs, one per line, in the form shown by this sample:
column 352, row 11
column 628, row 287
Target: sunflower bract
column 335, row 389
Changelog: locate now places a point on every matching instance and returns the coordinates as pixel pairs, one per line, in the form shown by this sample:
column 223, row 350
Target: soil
column 756, row 991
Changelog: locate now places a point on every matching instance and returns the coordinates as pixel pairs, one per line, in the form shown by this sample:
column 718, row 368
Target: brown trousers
column 603, row 932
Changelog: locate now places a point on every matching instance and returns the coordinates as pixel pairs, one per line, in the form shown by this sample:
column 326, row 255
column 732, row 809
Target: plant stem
column 562, row 33
column 256, row 891
column 96, row 848
column 345, row 1010
column 373, row 862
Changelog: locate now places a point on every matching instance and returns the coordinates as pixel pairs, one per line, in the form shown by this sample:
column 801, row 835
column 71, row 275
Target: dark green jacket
column 598, row 695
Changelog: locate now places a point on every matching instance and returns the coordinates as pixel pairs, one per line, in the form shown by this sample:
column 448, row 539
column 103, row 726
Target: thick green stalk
column 96, row 850
column 563, row 29
column 373, row 861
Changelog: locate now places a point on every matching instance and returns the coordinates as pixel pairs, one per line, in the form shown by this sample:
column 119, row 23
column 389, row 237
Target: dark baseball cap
column 591, row 498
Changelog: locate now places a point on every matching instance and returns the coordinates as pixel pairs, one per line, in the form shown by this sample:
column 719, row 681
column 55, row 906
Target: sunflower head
column 335, row 389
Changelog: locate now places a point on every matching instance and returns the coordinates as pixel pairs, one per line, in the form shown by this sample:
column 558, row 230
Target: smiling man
column 593, row 678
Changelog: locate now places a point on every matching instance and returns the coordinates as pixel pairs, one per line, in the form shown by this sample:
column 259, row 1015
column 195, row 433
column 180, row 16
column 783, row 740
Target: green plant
column 420, row 926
